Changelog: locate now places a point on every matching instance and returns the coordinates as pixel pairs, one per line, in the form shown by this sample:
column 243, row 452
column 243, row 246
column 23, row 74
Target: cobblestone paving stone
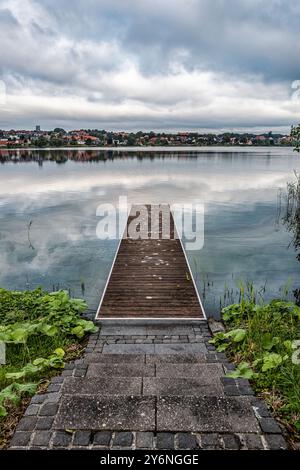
column 119, row 364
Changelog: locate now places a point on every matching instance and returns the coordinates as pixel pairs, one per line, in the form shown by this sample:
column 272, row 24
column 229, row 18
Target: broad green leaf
column 49, row 330
column 271, row 361
column 237, row 335
column 19, row 335
column 222, row 347
column 288, row 344
column 59, row 352
column 243, row 371
column 15, row 375
column 268, row 341
column 56, row 362
column 39, row 361
column 78, row 331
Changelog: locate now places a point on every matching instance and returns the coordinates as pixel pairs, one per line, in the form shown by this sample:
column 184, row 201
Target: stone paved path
column 148, row 386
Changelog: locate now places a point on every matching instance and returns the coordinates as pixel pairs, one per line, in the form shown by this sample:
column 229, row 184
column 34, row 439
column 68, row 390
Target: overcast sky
column 150, row 64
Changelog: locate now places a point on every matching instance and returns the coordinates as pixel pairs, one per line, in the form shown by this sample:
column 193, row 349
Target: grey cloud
column 150, row 63
column 7, row 19
column 245, row 35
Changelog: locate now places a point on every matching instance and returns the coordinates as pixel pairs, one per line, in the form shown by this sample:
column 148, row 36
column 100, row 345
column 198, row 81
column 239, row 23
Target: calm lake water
column 48, row 202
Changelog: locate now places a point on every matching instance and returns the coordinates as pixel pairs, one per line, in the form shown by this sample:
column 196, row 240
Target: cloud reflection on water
column 240, row 195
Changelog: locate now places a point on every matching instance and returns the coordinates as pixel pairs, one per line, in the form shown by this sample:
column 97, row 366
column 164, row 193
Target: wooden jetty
column 150, row 276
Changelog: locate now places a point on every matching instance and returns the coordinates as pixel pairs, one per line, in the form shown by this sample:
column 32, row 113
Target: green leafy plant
column 13, row 394
column 272, row 361
column 55, row 361
column 269, row 342
column 264, row 341
column 38, row 328
column 236, row 335
column 222, row 340
column 242, row 371
column 24, row 314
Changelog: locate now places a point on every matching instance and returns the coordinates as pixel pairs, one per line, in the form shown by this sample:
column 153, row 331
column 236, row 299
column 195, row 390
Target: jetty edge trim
column 112, row 266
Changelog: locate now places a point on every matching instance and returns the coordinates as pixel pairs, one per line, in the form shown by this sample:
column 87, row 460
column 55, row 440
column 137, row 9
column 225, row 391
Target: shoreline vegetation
column 41, row 331
column 263, row 341
column 60, row 138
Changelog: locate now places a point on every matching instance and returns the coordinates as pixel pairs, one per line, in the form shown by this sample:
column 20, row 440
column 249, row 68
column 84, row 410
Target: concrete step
column 101, row 386
column 131, row 413
column 206, row 414
column 176, row 358
column 90, row 358
column 182, row 386
column 95, row 358
column 147, row 386
column 205, row 372
column 209, row 414
column 166, row 348
column 120, row 370
column 137, row 330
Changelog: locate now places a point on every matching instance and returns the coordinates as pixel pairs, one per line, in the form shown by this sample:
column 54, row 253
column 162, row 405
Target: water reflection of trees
column 58, row 156
column 291, row 218
column 61, row 156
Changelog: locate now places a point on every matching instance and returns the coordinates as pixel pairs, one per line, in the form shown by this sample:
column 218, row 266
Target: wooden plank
column 150, row 277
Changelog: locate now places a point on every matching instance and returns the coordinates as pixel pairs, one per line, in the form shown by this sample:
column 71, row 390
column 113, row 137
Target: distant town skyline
column 227, row 65
column 251, row 130
column 59, row 137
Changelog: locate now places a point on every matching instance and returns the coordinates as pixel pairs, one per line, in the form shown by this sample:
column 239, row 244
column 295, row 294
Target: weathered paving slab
column 181, row 386
column 102, row 386
column 207, row 373
column 138, row 330
column 118, row 413
column 115, row 358
column 170, row 330
column 176, row 358
column 206, row 414
column 121, row 370
column 166, row 348
column 179, row 348
column 129, row 349
column 115, row 330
